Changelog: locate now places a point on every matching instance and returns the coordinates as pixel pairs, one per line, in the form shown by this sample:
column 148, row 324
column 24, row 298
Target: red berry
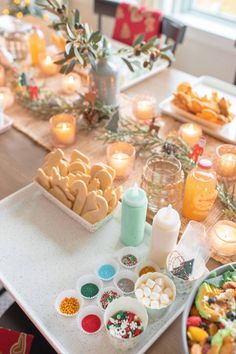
column 194, row 321
column 136, row 332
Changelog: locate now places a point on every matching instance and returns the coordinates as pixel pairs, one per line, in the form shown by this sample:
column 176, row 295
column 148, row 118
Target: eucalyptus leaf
column 128, row 63
column 77, row 16
column 78, row 56
column 68, row 48
column 138, row 40
column 92, row 61
column 70, row 33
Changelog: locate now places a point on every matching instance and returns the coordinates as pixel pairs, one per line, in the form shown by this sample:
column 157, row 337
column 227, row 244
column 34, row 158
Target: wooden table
column 20, row 157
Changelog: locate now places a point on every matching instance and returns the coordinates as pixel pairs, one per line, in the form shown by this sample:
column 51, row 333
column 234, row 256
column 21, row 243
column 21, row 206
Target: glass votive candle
column 163, row 181
column 121, row 156
column 70, row 84
column 190, row 133
column 48, row 67
column 144, row 107
column 223, row 238
column 63, row 128
column 225, row 161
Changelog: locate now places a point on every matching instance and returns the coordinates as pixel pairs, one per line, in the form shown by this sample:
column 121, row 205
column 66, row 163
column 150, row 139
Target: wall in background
column 201, row 53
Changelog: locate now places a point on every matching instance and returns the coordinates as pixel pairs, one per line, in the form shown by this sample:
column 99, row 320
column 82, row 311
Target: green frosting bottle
column 133, row 216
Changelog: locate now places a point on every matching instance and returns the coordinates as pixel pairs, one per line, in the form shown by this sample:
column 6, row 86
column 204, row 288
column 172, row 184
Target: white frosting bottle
column 165, row 230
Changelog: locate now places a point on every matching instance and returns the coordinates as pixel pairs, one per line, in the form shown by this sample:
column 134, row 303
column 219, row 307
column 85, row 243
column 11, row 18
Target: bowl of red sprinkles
column 106, row 296
column 125, row 322
column 129, row 257
column 90, row 319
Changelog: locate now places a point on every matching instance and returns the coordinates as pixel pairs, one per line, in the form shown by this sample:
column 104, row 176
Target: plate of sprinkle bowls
column 108, row 295
column 107, row 269
column 89, row 286
column 90, row 320
column 68, row 303
column 125, row 281
column 129, row 257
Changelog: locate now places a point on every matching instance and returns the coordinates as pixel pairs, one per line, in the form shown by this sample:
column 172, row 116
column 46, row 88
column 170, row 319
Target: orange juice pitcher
column 37, row 45
column 200, row 191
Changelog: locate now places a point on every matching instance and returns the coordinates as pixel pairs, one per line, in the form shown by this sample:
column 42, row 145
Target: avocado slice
column 202, row 305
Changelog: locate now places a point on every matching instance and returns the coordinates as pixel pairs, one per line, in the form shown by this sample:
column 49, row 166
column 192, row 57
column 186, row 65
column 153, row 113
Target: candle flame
column 48, row 59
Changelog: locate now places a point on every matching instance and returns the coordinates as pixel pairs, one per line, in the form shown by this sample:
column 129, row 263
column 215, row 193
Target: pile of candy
column 124, row 325
column 107, row 297
column 69, row 306
column 129, row 260
column 155, row 293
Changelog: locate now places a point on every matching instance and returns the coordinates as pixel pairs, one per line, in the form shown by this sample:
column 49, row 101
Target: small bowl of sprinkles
column 90, row 320
column 129, row 257
column 68, row 303
column 107, row 269
column 147, row 267
column 125, row 281
column 89, row 286
column 125, row 320
column 106, row 296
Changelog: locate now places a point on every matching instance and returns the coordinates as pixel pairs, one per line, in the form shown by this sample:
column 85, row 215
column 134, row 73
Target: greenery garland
column 227, row 196
column 146, row 141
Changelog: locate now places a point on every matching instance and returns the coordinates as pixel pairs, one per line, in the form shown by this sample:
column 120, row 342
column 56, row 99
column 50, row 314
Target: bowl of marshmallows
column 156, row 292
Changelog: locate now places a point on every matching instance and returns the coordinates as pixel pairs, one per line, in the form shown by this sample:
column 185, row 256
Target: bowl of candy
column 209, row 318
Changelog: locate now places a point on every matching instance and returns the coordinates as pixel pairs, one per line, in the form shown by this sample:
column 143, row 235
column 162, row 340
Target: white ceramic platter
column 43, row 252
column 205, row 85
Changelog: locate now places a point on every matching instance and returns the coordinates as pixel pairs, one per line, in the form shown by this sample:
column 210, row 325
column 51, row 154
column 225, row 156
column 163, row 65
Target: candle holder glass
column 223, row 238
column 144, row 107
column 225, row 162
column 121, row 156
column 63, row 129
column 163, row 181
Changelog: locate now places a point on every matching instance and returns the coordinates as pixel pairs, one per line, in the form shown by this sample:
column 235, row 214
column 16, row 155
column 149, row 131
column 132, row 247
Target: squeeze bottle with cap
column 165, row 231
column 133, row 216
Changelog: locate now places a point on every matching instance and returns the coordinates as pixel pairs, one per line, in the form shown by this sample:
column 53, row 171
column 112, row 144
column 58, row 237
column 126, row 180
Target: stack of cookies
column 87, row 190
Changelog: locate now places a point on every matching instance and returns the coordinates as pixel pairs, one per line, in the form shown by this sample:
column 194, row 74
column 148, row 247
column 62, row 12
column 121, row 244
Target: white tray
column 88, row 226
column 205, row 85
column 43, row 251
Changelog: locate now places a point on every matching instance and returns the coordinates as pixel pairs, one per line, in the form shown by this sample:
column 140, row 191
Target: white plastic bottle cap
column 167, row 218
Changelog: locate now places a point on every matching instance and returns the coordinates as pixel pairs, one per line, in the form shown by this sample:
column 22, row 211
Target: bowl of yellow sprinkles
column 68, row 303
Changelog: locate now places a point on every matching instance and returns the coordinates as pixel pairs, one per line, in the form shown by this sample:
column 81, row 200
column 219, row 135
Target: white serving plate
column 88, row 226
column 43, row 252
column 7, row 123
column 205, row 85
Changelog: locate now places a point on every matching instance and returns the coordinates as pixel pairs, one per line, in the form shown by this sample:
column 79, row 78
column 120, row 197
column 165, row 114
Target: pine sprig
column 227, row 197
column 146, row 141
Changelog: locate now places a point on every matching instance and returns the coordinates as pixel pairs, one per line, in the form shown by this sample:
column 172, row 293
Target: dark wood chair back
column 171, row 29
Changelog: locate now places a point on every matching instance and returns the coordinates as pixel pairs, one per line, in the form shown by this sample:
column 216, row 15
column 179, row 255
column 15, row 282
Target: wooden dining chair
column 171, row 29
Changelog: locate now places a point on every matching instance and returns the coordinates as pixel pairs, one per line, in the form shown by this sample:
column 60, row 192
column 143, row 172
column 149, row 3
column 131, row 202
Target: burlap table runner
column 39, row 131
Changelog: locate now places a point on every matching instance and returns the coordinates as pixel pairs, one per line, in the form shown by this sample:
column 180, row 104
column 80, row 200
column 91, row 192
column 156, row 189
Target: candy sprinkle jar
column 89, row 286
column 125, row 281
column 107, row 269
column 90, row 320
column 136, row 313
column 108, row 295
column 129, row 257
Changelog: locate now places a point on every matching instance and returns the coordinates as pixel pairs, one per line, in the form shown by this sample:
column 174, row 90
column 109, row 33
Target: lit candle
column 190, row 133
column 223, row 238
column 2, row 76
column 70, row 84
column 121, row 157
column 48, row 67
column 144, row 107
column 63, row 127
column 225, row 162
